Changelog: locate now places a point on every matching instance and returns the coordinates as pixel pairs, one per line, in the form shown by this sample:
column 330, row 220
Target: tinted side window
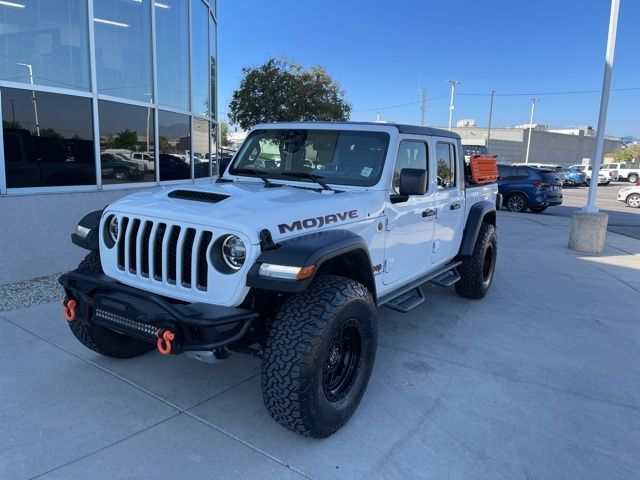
column 411, row 154
column 446, row 161
column 521, row 173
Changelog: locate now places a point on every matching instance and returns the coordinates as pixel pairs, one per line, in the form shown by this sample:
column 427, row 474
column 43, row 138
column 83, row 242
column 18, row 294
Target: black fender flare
column 318, row 249
column 479, row 213
column 90, row 241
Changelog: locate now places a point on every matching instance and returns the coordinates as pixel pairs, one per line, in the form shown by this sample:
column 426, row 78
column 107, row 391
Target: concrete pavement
column 538, row 380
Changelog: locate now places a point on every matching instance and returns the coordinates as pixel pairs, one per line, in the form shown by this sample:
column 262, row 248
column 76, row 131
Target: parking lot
column 537, row 380
column 622, row 219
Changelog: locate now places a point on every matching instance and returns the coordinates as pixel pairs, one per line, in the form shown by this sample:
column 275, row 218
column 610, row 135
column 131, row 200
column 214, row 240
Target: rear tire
column 517, row 202
column 102, row 340
column 476, row 272
column 633, row 178
column 319, row 356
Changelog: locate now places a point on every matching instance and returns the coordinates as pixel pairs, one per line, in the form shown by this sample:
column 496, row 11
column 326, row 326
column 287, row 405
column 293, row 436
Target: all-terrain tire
column 476, row 272
column 102, row 340
column 299, row 356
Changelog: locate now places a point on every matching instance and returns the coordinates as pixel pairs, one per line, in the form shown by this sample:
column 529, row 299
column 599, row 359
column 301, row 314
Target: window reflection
column 126, row 143
column 45, row 43
column 212, row 66
column 200, row 58
column 213, row 141
column 201, row 157
column 175, row 146
column 123, row 48
column 43, row 148
column 172, row 48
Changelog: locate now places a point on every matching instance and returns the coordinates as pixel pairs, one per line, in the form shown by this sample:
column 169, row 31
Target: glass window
column 213, row 145
column 339, row 157
column 45, row 43
column 446, row 162
column 175, row 146
column 200, row 58
column 411, row 154
column 201, row 157
column 123, row 48
column 42, row 147
column 212, row 65
column 172, row 50
column 126, row 143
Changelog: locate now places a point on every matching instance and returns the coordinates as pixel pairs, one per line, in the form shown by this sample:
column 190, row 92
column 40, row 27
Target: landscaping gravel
column 30, row 292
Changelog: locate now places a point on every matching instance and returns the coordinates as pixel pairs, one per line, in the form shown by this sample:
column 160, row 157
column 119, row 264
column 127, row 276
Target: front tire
column 319, row 356
column 633, row 200
column 102, row 340
column 517, row 202
column 476, row 272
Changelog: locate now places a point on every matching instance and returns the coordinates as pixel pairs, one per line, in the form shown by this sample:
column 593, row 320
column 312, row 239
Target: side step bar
column 447, row 279
column 407, row 301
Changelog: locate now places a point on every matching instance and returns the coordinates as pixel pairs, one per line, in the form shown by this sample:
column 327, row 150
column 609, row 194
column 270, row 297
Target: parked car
column 630, row 195
column 626, row 171
column 603, row 179
column 289, row 264
column 146, row 159
column 118, row 167
column 528, row 187
column 574, row 176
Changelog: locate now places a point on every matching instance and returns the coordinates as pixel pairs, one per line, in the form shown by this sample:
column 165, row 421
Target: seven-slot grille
column 164, row 252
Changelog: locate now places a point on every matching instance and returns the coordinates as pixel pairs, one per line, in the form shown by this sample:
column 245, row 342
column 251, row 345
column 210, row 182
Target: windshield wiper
column 310, row 176
column 262, row 174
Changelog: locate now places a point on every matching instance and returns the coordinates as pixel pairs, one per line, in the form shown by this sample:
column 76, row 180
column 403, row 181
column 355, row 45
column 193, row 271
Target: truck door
column 411, row 221
column 450, row 201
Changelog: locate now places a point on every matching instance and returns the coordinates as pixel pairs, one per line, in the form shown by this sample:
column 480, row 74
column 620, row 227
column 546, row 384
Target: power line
column 373, row 109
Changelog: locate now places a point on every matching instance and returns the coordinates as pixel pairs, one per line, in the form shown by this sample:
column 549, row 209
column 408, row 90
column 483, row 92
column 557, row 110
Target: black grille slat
column 133, row 239
column 124, row 221
column 172, row 252
column 187, row 251
column 203, row 264
column 197, row 196
column 157, row 251
column 146, row 236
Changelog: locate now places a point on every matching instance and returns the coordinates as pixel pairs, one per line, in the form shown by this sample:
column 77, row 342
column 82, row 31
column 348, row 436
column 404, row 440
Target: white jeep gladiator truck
column 287, row 255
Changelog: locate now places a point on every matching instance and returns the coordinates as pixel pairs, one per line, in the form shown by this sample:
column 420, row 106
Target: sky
column 380, row 51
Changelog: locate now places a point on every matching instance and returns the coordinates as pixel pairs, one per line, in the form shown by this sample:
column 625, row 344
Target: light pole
column 533, row 109
column 451, row 104
column 33, row 96
column 588, row 225
column 493, row 92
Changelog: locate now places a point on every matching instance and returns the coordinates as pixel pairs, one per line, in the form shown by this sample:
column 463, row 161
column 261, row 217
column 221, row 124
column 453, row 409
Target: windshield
column 340, row 157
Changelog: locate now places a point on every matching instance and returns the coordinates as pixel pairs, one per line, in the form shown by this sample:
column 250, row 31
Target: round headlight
column 113, row 229
column 233, row 252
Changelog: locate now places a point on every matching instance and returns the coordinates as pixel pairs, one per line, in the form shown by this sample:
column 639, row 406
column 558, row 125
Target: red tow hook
column 69, row 310
column 165, row 337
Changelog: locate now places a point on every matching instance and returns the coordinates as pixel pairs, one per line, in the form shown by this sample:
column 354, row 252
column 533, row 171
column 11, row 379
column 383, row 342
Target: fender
column 477, row 215
column 88, row 240
column 313, row 249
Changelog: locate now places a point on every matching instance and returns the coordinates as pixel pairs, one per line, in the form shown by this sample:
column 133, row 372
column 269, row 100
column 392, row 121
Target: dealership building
column 97, row 97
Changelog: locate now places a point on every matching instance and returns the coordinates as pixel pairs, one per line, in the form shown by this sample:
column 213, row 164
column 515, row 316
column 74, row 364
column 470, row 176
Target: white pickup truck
column 311, row 228
column 626, row 171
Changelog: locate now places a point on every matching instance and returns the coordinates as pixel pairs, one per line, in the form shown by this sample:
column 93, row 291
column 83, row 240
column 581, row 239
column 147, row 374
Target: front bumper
column 107, row 303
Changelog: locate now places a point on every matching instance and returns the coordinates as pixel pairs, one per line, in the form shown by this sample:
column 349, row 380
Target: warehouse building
column 97, row 96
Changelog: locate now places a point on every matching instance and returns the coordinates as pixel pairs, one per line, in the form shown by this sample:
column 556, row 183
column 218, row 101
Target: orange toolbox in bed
column 484, row 168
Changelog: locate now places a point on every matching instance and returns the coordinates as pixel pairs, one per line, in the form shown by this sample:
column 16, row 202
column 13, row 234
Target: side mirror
column 413, row 181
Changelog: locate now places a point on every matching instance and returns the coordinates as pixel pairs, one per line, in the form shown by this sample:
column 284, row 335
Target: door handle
column 429, row 212
column 454, row 206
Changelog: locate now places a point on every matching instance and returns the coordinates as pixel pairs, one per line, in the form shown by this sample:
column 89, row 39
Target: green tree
column 283, row 91
column 627, row 153
column 224, row 134
column 49, row 133
column 125, row 139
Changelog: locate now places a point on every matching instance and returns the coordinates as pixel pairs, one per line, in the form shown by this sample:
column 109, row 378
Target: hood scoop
column 198, row 196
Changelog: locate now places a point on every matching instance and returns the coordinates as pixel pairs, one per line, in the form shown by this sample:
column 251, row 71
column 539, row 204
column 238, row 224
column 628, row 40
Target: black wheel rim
column 487, row 265
column 340, row 366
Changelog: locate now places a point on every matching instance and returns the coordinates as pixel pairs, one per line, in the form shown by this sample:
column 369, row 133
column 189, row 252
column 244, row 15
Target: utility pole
column 423, row 105
column 33, row 96
column 451, row 103
column 493, row 92
column 533, row 109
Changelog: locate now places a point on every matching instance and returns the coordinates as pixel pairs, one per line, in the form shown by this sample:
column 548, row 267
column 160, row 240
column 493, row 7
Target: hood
column 249, row 207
